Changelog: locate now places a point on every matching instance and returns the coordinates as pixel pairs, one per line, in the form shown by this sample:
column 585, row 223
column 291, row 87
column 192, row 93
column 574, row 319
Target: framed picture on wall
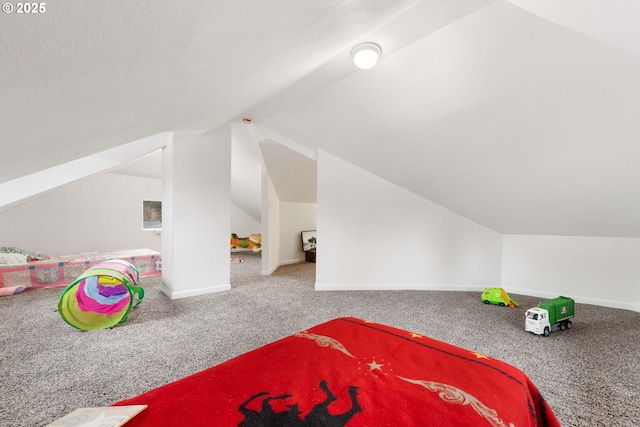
column 308, row 240
column 151, row 215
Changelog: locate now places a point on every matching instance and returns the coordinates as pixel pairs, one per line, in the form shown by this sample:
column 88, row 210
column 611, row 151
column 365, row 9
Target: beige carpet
column 590, row 375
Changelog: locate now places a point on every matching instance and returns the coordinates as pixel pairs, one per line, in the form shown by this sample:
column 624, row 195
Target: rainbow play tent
column 102, row 296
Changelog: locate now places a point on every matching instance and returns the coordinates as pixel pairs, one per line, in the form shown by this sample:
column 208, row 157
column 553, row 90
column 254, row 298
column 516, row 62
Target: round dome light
column 365, row 55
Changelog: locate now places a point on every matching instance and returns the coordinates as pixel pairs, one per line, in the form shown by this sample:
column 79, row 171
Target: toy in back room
column 253, row 242
column 550, row 315
column 497, row 296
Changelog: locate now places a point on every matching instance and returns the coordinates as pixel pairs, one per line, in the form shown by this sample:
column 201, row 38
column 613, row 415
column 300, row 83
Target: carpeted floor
column 590, row 375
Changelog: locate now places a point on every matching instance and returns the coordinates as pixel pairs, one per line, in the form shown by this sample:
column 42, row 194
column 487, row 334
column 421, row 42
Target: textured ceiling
column 520, row 115
column 508, row 119
column 87, row 76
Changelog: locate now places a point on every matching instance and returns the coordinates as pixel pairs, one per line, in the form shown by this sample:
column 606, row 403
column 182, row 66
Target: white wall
column 246, row 170
column 596, row 270
column 375, row 235
column 294, row 218
column 97, row 213
column 270, row 225
column 242, row 223
column 196, row 184
column 372, row 234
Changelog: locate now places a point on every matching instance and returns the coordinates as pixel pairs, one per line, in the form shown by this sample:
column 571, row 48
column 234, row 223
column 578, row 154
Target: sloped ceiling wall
column 80, row 78
column 519, row 115
column 510, row 120
column 294, row 175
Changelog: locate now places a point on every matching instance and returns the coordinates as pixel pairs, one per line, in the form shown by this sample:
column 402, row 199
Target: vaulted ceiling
column 519, row 115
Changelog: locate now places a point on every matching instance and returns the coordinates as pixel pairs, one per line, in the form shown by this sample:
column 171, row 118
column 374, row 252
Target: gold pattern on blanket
column 451, row 394
column 446, row 392
column 324, row 341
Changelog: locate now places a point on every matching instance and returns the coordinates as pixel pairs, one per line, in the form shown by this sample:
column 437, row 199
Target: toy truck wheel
column 501, row 304
column 486, row 301
column 563, row 326
column 569, row 324
column 546, row 332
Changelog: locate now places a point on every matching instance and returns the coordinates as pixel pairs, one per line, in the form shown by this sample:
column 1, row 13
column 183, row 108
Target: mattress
column 350, row 372
column 63, row 269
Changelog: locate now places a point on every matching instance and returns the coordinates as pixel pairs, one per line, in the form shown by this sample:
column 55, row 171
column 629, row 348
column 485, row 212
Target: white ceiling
column 520, row 115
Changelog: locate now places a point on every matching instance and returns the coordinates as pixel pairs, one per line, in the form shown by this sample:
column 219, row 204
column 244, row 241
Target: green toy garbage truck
column 497, row 296
column 550, row 315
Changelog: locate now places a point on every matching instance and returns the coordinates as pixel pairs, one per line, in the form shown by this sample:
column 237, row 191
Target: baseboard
column 280, row 264
column 577, row 298
column 291, row 261
column 607, row 303
column 194, row 292
column 395, row 287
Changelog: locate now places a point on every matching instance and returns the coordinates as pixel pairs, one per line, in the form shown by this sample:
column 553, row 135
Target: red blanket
column 350, row 372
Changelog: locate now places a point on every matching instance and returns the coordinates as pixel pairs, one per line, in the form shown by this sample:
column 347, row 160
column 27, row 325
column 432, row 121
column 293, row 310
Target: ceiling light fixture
column 365, row 55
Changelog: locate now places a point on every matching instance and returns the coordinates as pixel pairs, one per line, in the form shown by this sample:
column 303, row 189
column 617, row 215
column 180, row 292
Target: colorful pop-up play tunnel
column 102, row 296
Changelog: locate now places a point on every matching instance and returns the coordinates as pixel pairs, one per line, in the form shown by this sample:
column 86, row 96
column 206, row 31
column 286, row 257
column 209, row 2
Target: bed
column 350, row 372
column 61, row 270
